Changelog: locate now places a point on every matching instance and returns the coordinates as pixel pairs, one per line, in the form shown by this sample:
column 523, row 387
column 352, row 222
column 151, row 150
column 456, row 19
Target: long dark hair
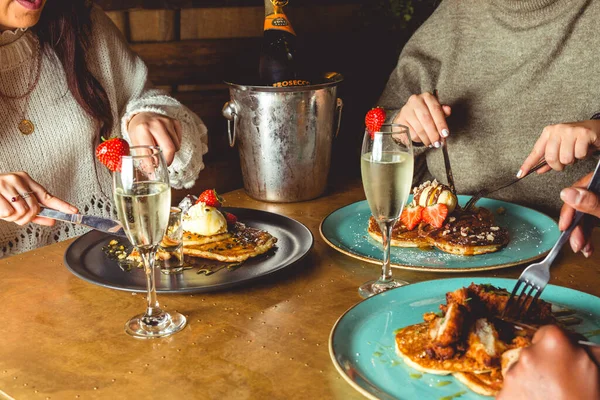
column 65, row 28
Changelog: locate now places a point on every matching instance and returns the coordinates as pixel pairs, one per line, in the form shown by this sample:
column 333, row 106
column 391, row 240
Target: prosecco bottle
column 278, row 64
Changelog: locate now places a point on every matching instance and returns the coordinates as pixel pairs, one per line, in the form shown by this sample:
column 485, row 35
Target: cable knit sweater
column 508, row 68
column 60, row 153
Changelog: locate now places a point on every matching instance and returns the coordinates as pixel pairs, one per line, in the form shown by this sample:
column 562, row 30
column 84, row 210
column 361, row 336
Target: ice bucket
column 284, row 136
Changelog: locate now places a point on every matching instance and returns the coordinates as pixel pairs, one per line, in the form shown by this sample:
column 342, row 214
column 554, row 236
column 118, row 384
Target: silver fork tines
column 535, row 277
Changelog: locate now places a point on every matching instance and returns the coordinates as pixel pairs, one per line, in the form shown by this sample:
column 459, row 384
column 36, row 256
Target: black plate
column 86, row 259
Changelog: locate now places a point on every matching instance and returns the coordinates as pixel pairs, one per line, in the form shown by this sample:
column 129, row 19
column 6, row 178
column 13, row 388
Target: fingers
column 581, row 200
column 562, row 145
column 567, row 213
column 148, row 129
column 539, row 148
column 31, row 208
column 178, row 132
column 164, row 139
column 427, row 117
column 50, row 201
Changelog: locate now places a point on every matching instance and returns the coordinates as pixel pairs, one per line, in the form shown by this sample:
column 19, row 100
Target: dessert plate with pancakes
column 516, row 236
column 263, row 242
column 364, row 349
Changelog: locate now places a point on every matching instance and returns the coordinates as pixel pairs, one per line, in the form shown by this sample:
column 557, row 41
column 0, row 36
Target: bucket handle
column 230, row 112
column 338, row 108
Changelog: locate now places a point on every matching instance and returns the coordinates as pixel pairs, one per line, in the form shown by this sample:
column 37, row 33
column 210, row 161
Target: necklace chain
column 25, row 126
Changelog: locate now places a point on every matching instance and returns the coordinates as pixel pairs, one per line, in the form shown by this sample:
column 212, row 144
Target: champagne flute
column 143, row 198
column 386, row 165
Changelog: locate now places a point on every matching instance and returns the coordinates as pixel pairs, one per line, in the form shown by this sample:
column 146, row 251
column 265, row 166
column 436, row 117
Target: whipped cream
column 204, row 220
column 431, row 193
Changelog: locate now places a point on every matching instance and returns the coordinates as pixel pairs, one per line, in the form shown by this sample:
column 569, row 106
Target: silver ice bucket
column 284, row 137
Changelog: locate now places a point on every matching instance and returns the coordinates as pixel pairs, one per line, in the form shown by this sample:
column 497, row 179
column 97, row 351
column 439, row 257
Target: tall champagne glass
column 386, row 165
column 143, row 199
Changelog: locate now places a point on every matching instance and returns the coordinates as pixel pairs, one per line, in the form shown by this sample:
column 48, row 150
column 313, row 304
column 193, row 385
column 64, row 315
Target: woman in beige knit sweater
column 68, row 78
column 517, row 81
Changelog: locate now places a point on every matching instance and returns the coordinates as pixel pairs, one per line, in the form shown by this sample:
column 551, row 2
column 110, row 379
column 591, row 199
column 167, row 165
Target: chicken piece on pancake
column 401, row 236
column 484, row 345
column 447, row 331
column 495, row 299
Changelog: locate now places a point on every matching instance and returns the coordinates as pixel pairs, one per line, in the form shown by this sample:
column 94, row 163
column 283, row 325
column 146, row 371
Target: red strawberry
column 374, row 119
column 435, row 215
column 411, row 216
column 109, row 153
column 210, row 198
column 231, row 219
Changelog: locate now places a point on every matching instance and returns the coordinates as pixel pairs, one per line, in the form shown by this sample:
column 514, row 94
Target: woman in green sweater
column 509, row 74
column 516, row 81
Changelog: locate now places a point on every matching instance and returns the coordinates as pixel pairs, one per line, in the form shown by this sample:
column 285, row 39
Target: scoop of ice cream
column 204, row 220
column 430, row 193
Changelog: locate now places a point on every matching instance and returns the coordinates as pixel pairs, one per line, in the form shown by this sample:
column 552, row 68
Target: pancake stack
column 467, row 340
column 461, row 232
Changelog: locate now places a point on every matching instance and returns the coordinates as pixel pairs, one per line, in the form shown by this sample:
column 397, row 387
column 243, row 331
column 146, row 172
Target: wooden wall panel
column 152, row 25
column 199, row 61
column 222, row 22
column 179, row 4
column 120, row 19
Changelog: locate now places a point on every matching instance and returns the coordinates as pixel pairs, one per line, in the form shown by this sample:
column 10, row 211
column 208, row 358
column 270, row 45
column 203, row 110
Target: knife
column 449, row 175
column 101, row 224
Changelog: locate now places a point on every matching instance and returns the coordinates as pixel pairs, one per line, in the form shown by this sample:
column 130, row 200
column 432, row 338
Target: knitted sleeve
column 124, row 76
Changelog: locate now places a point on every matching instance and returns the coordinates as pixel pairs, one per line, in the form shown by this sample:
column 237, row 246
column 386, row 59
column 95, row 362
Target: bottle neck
column 274, row 7
column 275, row 18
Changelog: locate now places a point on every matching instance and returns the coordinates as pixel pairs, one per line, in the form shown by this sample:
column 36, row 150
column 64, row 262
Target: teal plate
column 362, row 346
column 532, row 235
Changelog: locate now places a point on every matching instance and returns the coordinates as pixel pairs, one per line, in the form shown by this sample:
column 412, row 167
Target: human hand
column 425, row 118
column 577, row 198
column 151, row 129
column 553, row 367
column 562, row 144
column 21, row 197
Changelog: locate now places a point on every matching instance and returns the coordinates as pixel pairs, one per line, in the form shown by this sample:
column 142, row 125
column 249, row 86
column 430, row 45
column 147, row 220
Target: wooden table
column 63, row 338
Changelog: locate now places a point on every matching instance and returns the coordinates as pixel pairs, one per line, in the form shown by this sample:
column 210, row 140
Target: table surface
column 63, row 338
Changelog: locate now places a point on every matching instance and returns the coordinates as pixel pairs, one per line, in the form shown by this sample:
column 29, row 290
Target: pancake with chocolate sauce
column 401, row 237
column 467, row 233
column 243, row 242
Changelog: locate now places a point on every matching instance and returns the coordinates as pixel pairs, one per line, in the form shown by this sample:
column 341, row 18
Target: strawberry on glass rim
column 110, row 151
column 374, row 119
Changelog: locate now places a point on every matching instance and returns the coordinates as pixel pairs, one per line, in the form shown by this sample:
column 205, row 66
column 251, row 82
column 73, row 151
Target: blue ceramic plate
column 362, row 347
column 532, row 235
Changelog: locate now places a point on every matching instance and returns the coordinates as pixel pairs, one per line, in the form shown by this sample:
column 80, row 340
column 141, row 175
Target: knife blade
column 449, row 175
column 101, row 224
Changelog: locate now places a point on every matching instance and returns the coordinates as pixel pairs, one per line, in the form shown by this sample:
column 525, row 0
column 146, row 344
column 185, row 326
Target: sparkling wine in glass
column 386, row 165
column 143, row 198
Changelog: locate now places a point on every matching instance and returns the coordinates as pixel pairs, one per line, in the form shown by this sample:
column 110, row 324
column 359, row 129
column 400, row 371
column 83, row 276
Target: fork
column 484, row 192
column 536, row 276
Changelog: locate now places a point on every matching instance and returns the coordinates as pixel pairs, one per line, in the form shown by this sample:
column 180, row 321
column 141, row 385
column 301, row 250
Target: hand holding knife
column 101, row 224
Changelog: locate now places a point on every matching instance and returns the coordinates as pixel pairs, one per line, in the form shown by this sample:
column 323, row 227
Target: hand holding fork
column 535, row 277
